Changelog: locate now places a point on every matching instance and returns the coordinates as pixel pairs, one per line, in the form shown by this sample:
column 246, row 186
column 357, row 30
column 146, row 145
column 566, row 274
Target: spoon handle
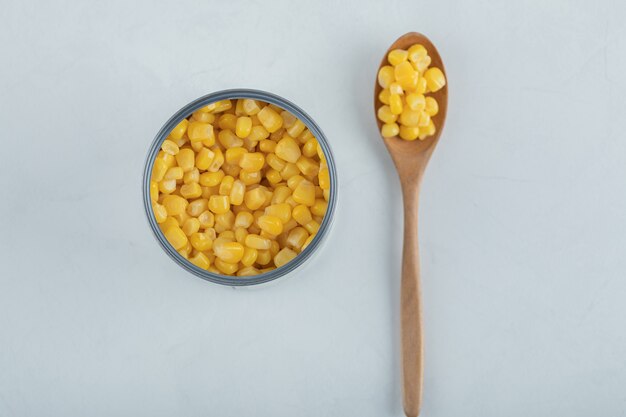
column 410, row 305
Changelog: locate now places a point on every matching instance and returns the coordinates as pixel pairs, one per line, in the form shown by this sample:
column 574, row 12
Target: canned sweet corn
column 240, row 187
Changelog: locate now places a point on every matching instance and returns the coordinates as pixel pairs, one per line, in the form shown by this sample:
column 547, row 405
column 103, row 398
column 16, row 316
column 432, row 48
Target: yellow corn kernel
column 252, row 161
column 431, row 106
column 424, row 119
column 226, row 267
column 160, row 212
column 203, row 117
column 204, row 158
column 435, row 79
column 395, row 103
column 397, row 56
column 251, row 107
column 230, row 252
column 248, row 271
column 274, row 248
column 280, row 210
column 409, row 132
column 421, row 86
column 396, row 88
column 191, row 190
column 254, row 199
column 176, row 237
column 383, row 96
column 167, row 186
column 200, row 260
column 258, row 133
column 390, row 129
column 237, row 192
column 227, row 121
column 219, row 204
column 222, row 105
column 267, row 146
column 264, row 257
column 289, row 171
column 243, row 127
column 287, row 149
column 270, row 119
column 207, row 219
column 274, row 161
column 185, row 159
column 416, row 51
column 422, row 64
column 211, row 179
column 270, row 224
column 181, row 218
column 169, row 222
column 304, row 193
column 296, row 128
column 312, row 227
column 240, row 234
column 174, row 204
column 169, row 160
column 406, row 75
column 324, row 178
column 174, row 173
column 210, row 232
column 244, row 219
column 249, row 256
column 250, row 178
column 283, row 257
column 158, row 170
column 308, row 241
column 226, row 185
column 197, row 206
column 179, row 130
column 319, row 207
column 233, row 155
column 386, row 76
column 257, row 242
column 302, row 214
column 224, row 221
column 307, row 166
column 196, row 146
column 226, row 236
column 169, row 147
column 199, row 132
column 228, row 139
column 410, row 117
column 280, row 194
column 416, row 101
column 427, row 130
column 180, row 142
column 184, row 252
column 296, row 238
column 154, row 191
column 288, row 119
column 232, row 170
column 273, row 176
column 191, row 176
column 310, row 148
column 191, row 226
column 385, row 115
column 218, row 160
column 294, row 181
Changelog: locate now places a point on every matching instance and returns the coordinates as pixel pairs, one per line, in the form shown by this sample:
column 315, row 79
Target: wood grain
column 410, row 159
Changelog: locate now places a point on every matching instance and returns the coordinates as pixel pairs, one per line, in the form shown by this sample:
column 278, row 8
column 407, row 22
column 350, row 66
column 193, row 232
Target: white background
column 522, row 220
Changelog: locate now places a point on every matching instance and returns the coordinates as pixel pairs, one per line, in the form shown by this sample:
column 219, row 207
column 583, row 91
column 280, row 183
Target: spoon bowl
column 410, row 159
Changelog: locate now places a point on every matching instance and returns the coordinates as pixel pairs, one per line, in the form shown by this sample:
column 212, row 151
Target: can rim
column 229, row 95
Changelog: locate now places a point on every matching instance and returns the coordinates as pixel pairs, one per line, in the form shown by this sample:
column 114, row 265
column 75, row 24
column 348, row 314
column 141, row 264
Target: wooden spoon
column 410, row 159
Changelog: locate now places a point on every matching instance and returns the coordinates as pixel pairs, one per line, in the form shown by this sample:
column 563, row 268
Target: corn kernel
column 385, row 115
column 258, row 133
column 386, row 76
column 294, row 181
column 197, row 206
column 179, row 130
column 211, row 179
column 228, row 139
column 422, row 64
column 232, row 170
column 252, row 161
column 257, row 242
column 267, row 146
column 169, row 147
column 302, row 214
column 307, row 166
column 200, row 260
column 410, row 117
column 174, row 205
column 264, row 257
column 160, row 212
column 310, row 148
column 396, row 88
column 243, row 127
column 237, row 192
column 296, row 238
column 424, row 119
column 199, row 132
column 304, row 193
column 154, row 191
column 395, row 103
column 244, row 219
column 250, row 178
column 203, row 117
column 273, row 176
column 221, row 106
column 409, row 132
column 383, row 96
column 308, row 241
column 324, row 179
column 185, row 159
column 296, row 129
column 176, row 237
column 312, row 227
column 248, row 271
column 270, row 224
column 254, row 199
column 270, row 119
column 167, row 186
column 280, row 210
column 207, row 219
column 192, row 190
column 218, row 160
column 287, row 149
column 191, row 226
column 219, row 204
column 434, row 79
column 289, row 171
column 283, row 257
column 226, row 185
column 319, row 207
column 204, row 158
column 431, row 106
column 390, row 129
column 226, row 267
column 191, row 176
column 251, row 107
column 230, row 252
column 397, row 56
column 158, row 170
column 422, row 86
column 406, row 75
column 249, row 256
column 227, row 121
column 274, row 161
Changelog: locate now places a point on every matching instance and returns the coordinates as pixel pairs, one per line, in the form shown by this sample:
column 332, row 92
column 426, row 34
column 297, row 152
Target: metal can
column 332, row 201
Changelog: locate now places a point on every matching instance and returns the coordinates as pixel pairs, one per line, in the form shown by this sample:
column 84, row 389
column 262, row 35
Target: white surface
column 522, row 219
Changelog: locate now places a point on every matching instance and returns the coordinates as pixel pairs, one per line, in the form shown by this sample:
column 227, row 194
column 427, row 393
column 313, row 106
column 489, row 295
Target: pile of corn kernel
column 405, row 84
column 240, row 187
